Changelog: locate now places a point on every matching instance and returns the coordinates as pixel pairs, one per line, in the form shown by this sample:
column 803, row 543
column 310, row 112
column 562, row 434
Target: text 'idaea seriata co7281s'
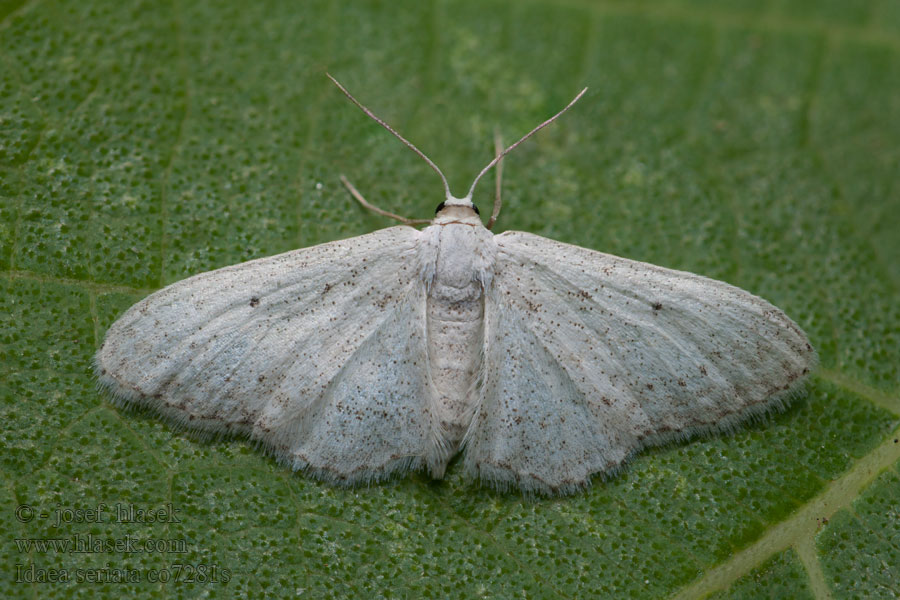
column 543, row 362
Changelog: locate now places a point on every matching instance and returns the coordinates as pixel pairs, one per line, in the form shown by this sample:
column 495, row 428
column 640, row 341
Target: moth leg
column 498, row 149
column 359, row 198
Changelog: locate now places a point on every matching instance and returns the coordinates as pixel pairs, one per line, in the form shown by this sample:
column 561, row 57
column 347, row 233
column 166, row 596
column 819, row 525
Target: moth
column 544, row 363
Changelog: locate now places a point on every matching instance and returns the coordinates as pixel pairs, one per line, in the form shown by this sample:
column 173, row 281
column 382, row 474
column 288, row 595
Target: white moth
column 367, row 357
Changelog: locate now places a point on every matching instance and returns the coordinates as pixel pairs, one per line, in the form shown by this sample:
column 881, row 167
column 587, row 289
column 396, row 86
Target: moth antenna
column 397, row 135
column 525, row 137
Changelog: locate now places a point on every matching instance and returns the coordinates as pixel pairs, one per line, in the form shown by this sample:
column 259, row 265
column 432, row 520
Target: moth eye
column 477, row 212
column 439, row 208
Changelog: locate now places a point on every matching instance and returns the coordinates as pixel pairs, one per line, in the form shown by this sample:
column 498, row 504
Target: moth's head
column 460, row 210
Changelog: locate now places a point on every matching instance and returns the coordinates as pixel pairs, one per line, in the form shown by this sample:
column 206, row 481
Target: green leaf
column 142, row 142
